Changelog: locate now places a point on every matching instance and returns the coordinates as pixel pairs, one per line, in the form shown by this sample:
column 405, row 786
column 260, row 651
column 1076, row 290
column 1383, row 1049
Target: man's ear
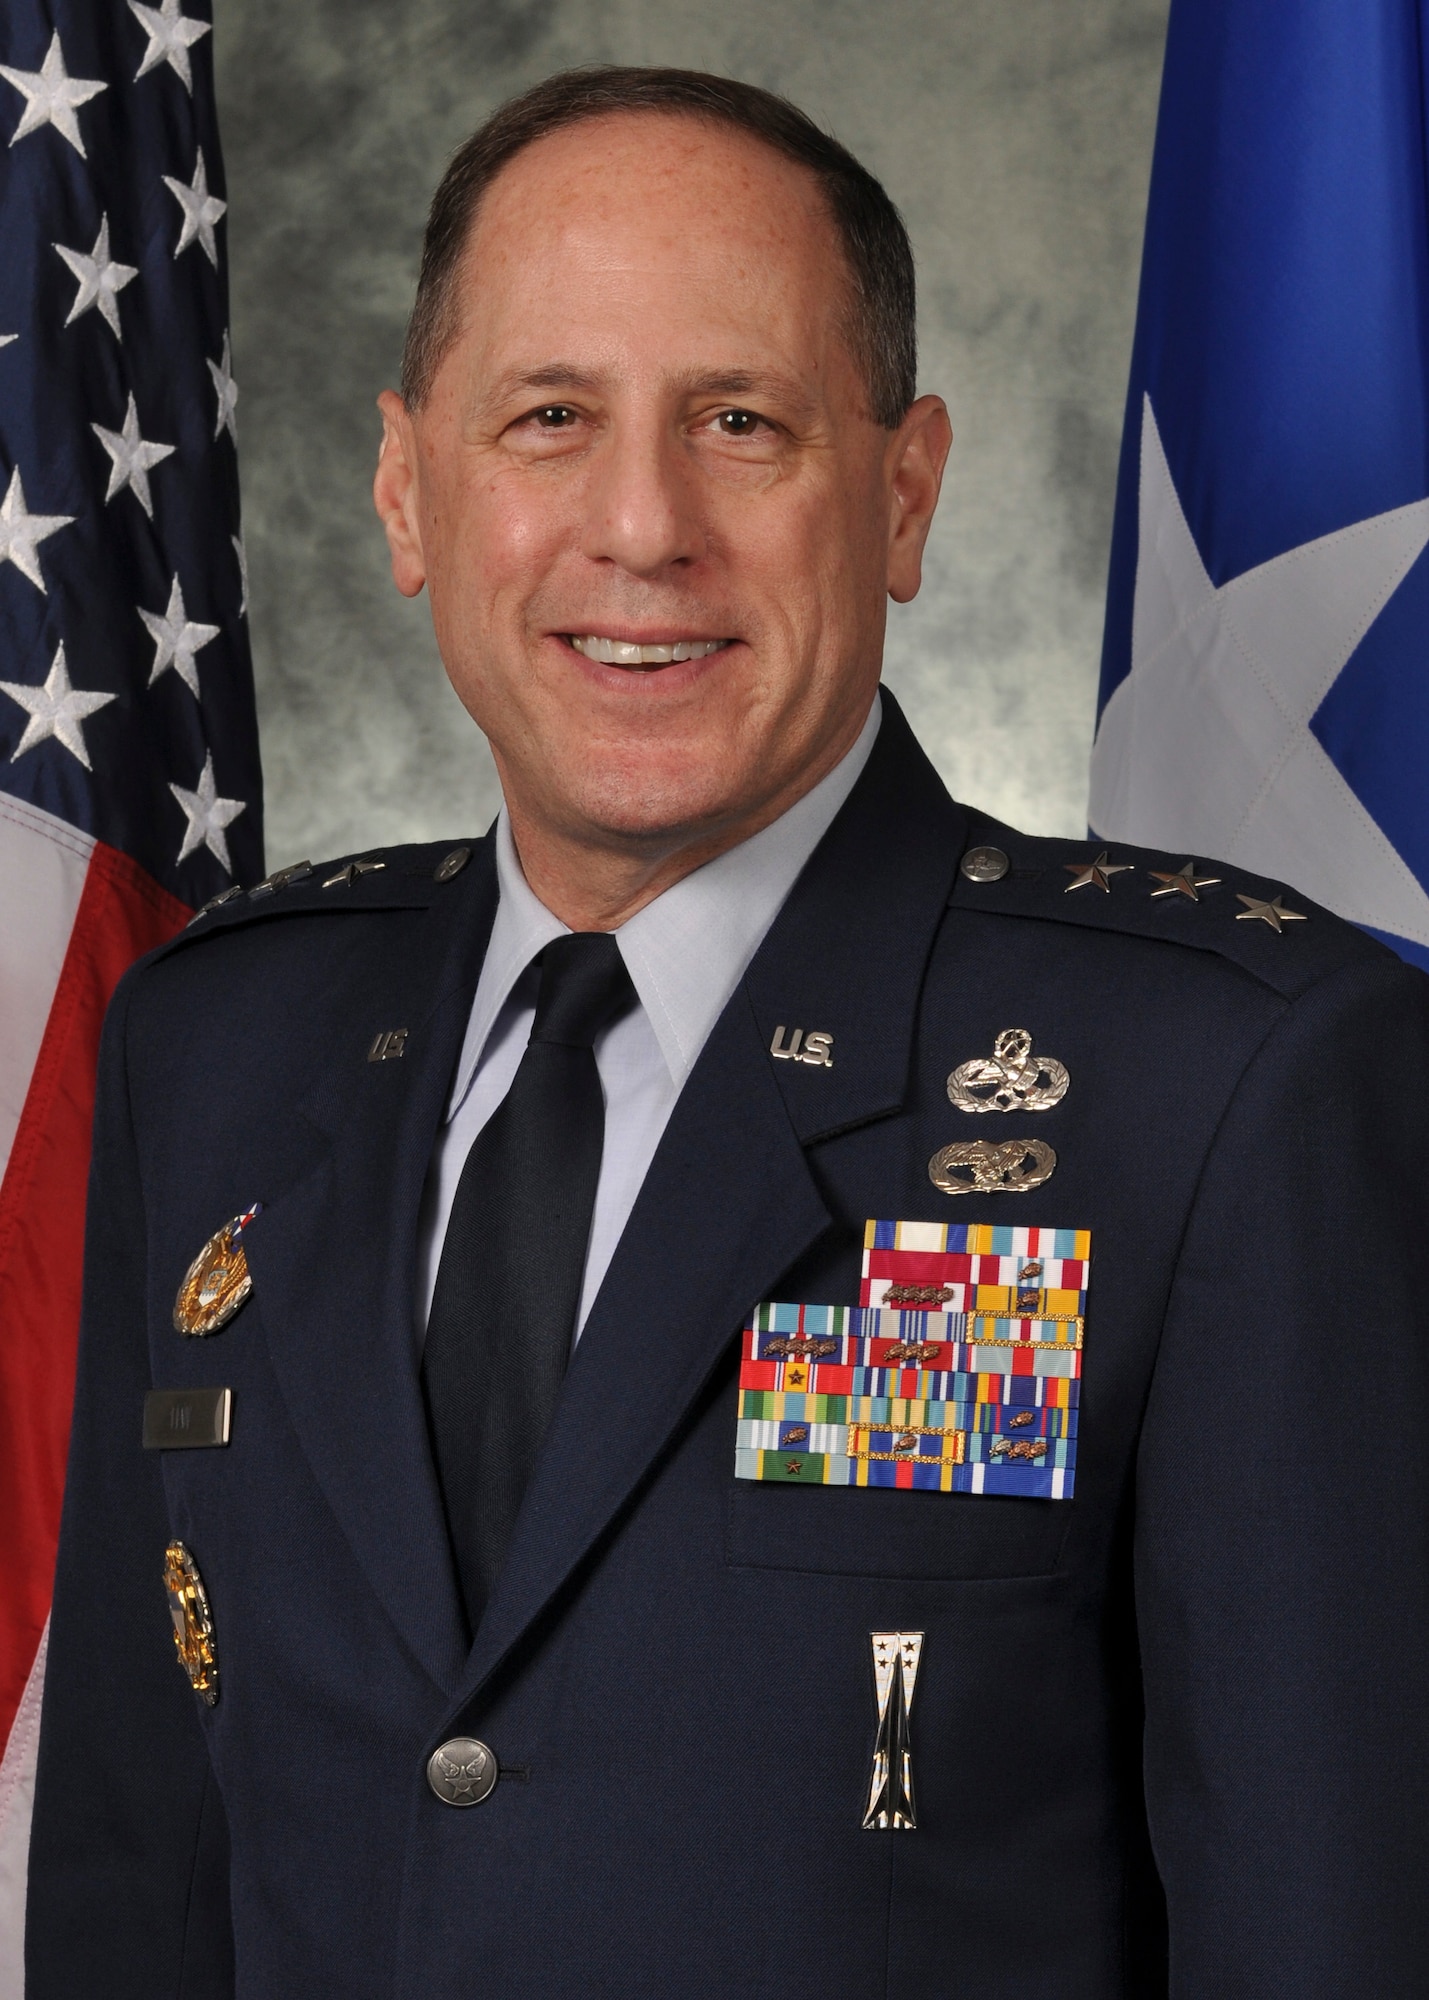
column 394, row 493
column 918, row 451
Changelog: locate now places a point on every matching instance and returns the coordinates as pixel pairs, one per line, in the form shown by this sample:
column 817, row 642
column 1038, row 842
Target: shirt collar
column 686, row 951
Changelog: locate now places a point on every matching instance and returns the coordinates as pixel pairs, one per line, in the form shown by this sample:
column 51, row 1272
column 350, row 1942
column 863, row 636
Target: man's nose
column 642, row 509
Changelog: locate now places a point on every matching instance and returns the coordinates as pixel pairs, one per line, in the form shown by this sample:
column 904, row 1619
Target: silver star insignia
column 177, row 638
column 56, row 709
column 1273, row 913
column 1184, row 882
column 21, row 532
column 6, row 338
column 345, row 877
column 52, row 96
column 1095, row 874
column 171, row 36
column 132, row 457
column 207, row 816
column 101, row 279
column 201, row 211
column 226, row 390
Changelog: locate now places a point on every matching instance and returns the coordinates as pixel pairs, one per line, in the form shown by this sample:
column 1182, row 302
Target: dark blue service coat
column 1168, row 1736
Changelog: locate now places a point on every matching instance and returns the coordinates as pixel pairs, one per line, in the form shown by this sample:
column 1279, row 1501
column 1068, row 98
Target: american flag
column 130, row 790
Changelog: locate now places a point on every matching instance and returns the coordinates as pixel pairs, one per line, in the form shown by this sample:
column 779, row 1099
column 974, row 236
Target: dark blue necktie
column 509, row 1281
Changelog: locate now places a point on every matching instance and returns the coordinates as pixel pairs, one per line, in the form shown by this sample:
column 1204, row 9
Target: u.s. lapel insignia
column 217, row 1282
column 959, row 1370
column 896, row 1656
column 983, row 1166
column 1010, row 1079
column 193, row 1624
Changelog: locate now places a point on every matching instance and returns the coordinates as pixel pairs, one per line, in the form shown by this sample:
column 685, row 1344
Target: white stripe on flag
column 43, row 863
column 17, row 1797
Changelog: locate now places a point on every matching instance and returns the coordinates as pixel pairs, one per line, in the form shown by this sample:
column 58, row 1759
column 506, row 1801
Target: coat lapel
column 332, row 1259
column 729, row 1203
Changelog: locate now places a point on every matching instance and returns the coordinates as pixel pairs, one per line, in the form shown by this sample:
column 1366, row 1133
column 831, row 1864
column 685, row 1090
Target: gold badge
column 981, row 1166
column 193, row 1627
column 1010, row 1079
column 217, row 1282
column 895, row 1671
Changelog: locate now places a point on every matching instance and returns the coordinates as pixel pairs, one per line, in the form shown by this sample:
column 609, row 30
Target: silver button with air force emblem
column 462, row 1772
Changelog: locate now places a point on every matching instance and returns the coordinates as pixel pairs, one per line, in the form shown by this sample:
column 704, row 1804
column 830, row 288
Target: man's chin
column 654, row 803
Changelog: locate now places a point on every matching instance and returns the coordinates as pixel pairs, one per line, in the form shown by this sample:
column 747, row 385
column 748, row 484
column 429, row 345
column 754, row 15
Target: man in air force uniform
column 753, row 1385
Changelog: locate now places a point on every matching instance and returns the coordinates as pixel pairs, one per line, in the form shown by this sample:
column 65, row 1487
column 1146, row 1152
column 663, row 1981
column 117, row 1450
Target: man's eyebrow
column 564, row 377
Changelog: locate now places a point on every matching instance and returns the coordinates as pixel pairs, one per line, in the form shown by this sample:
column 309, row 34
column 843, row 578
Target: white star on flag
column 6, row 338
column 171, row 36
column 177, row 638
column 52, row 97
column 56, row 709
column 226, row 390
column 101, row 279
column 208, row 815
column 242, row 555
column 21, row 532
column 201, row 211
column 1206, row 746
column 131, row 458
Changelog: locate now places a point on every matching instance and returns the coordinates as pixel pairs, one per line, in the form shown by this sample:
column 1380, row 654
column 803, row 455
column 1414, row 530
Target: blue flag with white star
column 126, row 688
column 1265, row 678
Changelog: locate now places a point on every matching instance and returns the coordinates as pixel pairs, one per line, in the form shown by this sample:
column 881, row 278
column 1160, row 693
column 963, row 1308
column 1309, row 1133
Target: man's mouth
column 660, row 653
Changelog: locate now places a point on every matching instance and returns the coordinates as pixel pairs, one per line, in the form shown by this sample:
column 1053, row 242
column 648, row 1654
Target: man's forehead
column 649, row 196
column 588, row 166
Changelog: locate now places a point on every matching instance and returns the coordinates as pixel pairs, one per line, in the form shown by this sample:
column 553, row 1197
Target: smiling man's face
column 657, row 524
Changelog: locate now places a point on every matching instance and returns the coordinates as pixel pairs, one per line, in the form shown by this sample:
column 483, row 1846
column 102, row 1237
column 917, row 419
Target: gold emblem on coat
column 1010, row 1079
column 217, row 1282
column 193, row 1626
column 982, row 1166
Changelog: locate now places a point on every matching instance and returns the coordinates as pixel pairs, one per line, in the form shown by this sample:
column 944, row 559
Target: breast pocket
column 885, row 1532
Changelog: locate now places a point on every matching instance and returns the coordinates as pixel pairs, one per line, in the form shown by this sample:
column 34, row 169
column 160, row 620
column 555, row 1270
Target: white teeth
column 621, row 653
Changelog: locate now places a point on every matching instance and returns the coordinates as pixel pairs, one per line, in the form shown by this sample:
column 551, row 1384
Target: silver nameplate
column 186, row 1419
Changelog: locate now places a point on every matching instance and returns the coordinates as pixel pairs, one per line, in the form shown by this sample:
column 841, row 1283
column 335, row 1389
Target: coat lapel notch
column 848, row 954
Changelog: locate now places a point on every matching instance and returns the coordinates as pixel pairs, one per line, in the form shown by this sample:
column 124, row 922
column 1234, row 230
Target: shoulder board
column 384, row 878
column 1271, row 931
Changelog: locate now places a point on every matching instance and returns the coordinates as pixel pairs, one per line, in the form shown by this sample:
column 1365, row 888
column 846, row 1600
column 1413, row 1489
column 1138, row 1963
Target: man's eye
column 555, row 416
column 738, row 423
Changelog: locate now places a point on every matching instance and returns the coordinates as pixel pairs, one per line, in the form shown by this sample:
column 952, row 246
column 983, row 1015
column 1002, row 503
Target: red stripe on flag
column 122, row 914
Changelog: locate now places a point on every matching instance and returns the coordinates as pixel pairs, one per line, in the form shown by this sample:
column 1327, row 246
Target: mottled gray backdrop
column 1015, row 135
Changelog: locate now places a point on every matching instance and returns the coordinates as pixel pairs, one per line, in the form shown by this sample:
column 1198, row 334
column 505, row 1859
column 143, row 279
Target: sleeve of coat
column 128, row 1883
column 1282, row 1519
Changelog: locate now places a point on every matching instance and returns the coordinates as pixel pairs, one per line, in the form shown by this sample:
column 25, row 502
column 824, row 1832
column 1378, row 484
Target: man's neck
column 595, row 881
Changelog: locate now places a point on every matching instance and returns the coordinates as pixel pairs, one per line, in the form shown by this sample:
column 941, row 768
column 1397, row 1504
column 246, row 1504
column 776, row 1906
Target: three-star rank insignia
column 217, row 1283
column 890, row 1808
column 193, row 1623
column 959, row 1371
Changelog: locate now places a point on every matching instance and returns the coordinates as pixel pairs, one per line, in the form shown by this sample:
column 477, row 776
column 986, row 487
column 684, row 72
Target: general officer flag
column 1265, row 680
column 129, row 776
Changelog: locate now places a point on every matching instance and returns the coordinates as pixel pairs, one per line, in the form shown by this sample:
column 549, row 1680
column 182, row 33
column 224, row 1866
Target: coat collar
column 729, row 1203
